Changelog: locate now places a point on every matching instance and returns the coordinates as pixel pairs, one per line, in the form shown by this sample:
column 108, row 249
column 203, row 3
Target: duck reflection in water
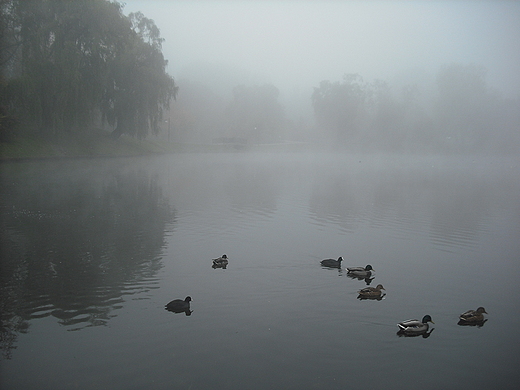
column 477, row 324
column 425, row 334
column 367, row 279
column 221, row 262
column 180, row 306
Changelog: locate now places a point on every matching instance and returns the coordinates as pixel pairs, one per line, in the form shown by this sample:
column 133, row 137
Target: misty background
column 419, row 99
column 399, row 76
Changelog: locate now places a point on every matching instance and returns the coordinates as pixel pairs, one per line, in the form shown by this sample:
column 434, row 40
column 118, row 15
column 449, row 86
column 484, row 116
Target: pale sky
column 300, row 43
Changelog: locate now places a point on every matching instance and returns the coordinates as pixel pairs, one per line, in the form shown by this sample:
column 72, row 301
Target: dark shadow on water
column 375, row 298
column 479, row 324
column 222, row 266
column 332, row 269
column 367, row 280
column 424, row 334
column 178, row 311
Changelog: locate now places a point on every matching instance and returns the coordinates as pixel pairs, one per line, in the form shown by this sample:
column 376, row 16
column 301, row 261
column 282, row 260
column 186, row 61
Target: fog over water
column 93, row 249
column 421, row 76
column 297, row 44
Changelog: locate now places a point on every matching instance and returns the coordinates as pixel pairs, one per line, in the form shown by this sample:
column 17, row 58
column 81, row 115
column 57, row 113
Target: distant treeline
column 462, row 115
column 65, row 65
column 68, row 65
column 465, row 115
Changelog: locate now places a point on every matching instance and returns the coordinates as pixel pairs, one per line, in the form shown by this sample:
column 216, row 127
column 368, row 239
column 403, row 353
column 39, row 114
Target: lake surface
column 92, row 250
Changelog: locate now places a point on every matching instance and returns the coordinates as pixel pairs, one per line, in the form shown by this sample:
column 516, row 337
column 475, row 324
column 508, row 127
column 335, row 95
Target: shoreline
column 99, row 144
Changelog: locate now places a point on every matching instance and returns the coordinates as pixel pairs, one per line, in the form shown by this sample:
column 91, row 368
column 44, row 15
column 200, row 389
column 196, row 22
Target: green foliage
column 77, row 59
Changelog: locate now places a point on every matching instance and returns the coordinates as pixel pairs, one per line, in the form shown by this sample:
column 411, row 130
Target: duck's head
column 481, row 310
column 224, row 256
column 369, row 268
column 340, row 259
column 187, row 299
column 380, row 287
column 426, row 319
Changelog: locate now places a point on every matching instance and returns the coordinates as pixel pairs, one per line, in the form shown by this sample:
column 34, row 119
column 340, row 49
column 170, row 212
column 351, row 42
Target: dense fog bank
column 459, row 113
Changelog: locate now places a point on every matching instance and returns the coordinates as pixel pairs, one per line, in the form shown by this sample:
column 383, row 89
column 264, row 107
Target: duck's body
column 371, row 291
column 179, row 305
column 220, row 262
column 332, row 263
column 360, row 271
column 473, row 316
column 415, row 326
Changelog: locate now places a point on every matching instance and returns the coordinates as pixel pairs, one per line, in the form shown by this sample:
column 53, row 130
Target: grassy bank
column 97, row 143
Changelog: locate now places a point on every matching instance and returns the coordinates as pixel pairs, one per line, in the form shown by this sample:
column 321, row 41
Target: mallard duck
column 221, row 262
column 360, row 271
column 178, row 305
column 473, row 316
column 332, row 263
column 371, row 291
column 415, row 326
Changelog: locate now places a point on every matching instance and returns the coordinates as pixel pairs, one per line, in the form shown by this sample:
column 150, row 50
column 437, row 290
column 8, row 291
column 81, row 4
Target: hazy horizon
column 295, row 45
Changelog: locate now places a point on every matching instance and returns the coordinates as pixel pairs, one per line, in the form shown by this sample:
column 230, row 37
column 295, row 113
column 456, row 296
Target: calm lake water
column 92, row 250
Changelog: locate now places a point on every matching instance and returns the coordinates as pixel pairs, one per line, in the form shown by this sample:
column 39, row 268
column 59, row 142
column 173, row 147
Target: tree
column 386, row 115
column 63, row 54
column 340, row 108
column 138, row 87
column 78, row 58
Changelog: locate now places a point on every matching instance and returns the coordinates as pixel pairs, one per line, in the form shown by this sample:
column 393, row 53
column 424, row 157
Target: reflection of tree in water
column 71, row 248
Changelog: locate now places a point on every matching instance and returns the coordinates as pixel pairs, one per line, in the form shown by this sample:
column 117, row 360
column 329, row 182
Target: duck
column 220, row 262
column 179, row 305
column 371, row 291
column 415, row 326
column 473, row 316
column 360, row 271
column 332, row 263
